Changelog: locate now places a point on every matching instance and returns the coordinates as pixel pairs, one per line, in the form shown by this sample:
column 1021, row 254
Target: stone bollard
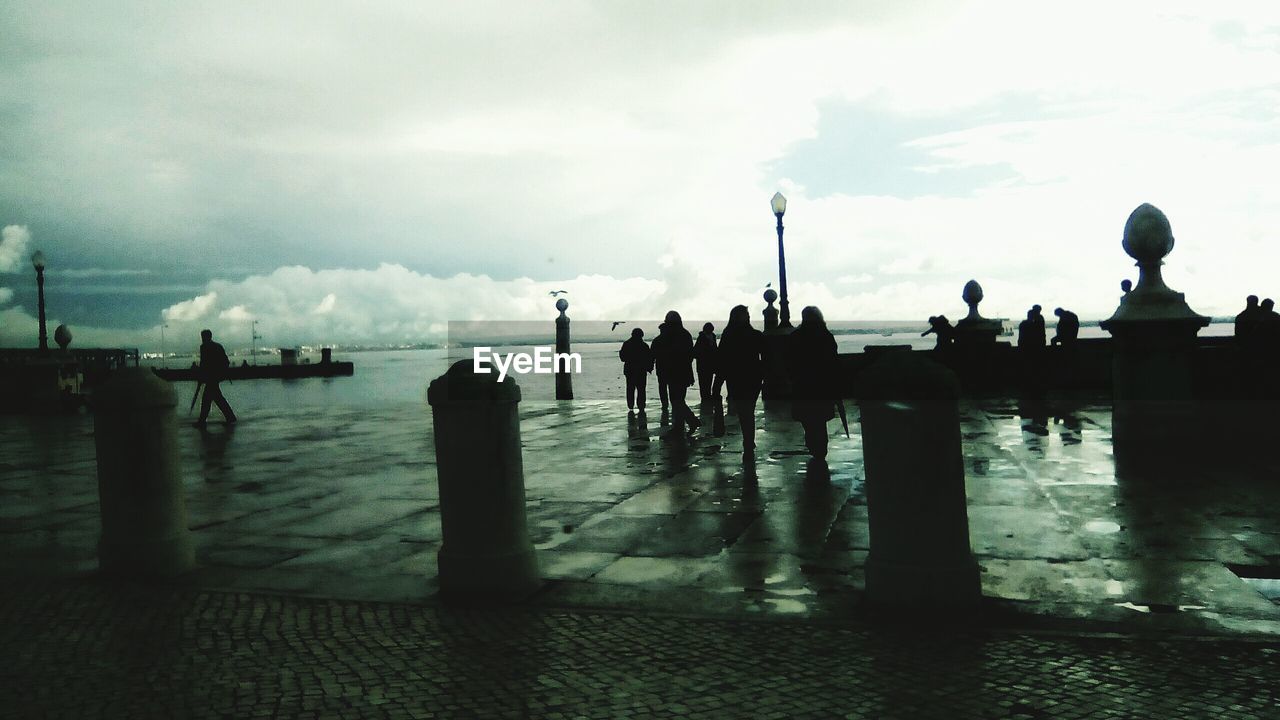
column 486, row 554
column 920, row 557
column 564, row 381
column 143, row 506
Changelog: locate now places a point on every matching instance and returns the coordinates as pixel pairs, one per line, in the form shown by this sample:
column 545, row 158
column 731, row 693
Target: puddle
column 1105, row 527
column 1159, row 608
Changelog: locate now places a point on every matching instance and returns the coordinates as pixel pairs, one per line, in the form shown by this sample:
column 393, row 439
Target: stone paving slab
column 344, row 504
column 86, row 649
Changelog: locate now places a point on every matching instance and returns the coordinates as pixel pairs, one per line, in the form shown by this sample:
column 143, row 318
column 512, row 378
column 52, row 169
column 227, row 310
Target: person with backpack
column 213, row 369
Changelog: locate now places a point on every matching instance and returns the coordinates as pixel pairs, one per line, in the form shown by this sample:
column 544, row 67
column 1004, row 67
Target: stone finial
column 562, row 305
column 972, row 295
column 62, row 336
column 770, row 296
column 1148, row 238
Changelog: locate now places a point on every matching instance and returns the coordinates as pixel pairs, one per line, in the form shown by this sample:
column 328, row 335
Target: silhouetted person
column 1247, row 323
column 741, row 367
column 213, row 368
column 637, row 362
column 939, row 325
column 1068, row 328
column 1031, row 331
column 673, row 357
column 1126, row 286
column 1267, row 328
column 811, row 362
column 704, row 352
column 660, row 368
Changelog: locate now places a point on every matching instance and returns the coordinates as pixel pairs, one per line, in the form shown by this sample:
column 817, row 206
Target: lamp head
column 37, row 260
column 779, row 204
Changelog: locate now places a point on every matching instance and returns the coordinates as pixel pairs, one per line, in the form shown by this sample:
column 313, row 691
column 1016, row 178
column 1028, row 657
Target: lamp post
column 164, row 361
column 253, row 331
column 37, row 261
column 779, row 204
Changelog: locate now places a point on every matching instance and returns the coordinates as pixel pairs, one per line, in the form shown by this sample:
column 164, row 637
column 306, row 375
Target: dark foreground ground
column 82, row 649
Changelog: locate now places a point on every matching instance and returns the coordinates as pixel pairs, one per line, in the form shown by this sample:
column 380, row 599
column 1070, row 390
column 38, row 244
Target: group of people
column 737, row 363
column 1031, row 331
column 1257, row 328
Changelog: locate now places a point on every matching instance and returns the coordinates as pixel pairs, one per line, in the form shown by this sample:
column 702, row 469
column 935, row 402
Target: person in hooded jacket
column 741, row 365
column 673, row 358
column 812, row 365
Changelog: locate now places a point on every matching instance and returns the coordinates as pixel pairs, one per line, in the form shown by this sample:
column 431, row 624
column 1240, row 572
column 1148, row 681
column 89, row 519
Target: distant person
column 1031, row 331
column 660, row 368
column 1068, row 328
column 674, row 360
column 1247, row 323
column 1126, row 286
column 741, row 367
column 812, row 365
column 704, row 352
column 637, row 363
column 940, row 326
column 213, row 369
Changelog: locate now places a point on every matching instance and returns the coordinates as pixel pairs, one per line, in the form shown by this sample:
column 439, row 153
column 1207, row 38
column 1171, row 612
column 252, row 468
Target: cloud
column 13, row 248
column 191, row 310
column 326, row 305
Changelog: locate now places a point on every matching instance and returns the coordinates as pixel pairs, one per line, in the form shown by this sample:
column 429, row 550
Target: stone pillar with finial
column 1154, row 333
column 770, row 312
column 975, row 341
column 776, row 383
column 564, row 381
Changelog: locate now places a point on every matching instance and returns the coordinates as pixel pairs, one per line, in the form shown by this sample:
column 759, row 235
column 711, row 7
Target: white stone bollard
column 920, row 558
column 486, row 554
column 140, row 492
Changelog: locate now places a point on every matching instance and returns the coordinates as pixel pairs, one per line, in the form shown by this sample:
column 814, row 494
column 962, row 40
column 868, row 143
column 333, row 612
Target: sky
column 365, row 173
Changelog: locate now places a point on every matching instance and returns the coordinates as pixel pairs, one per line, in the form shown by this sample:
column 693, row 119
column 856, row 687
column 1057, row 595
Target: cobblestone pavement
column 343, row 503
column 78, row 649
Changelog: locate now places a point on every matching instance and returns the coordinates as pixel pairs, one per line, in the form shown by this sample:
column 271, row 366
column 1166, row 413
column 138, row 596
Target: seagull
column 555, row 293
column 768, row 284
column 616, row 323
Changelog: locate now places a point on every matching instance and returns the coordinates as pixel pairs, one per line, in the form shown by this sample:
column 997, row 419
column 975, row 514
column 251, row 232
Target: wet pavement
column 343, row 504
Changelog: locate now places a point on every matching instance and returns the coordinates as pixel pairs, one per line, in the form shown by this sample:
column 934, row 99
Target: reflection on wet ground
column 344, row 504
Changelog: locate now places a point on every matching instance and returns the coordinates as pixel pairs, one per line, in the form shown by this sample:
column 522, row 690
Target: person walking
column 637, row 362
column 812, row 364
column 673, row 357
column 741, row 366
column 660, row 368
column 704, row 353
column 213, row 369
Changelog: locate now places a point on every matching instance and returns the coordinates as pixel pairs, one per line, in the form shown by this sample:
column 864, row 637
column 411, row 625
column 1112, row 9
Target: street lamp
column 254, row 337
column 37, row 261
column 164, row 361
column 779, row 204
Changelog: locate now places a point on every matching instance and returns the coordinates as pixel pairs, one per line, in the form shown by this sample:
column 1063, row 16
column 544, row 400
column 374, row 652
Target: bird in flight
column 555, row 293
column 616, row 323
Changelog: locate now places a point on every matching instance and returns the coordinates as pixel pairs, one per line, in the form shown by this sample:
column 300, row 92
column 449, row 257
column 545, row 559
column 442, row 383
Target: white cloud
column 191, row 310
column 326, row 305
column 14, row 240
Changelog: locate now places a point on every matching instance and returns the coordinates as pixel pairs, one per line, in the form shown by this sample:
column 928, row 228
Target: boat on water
column 288, row 369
